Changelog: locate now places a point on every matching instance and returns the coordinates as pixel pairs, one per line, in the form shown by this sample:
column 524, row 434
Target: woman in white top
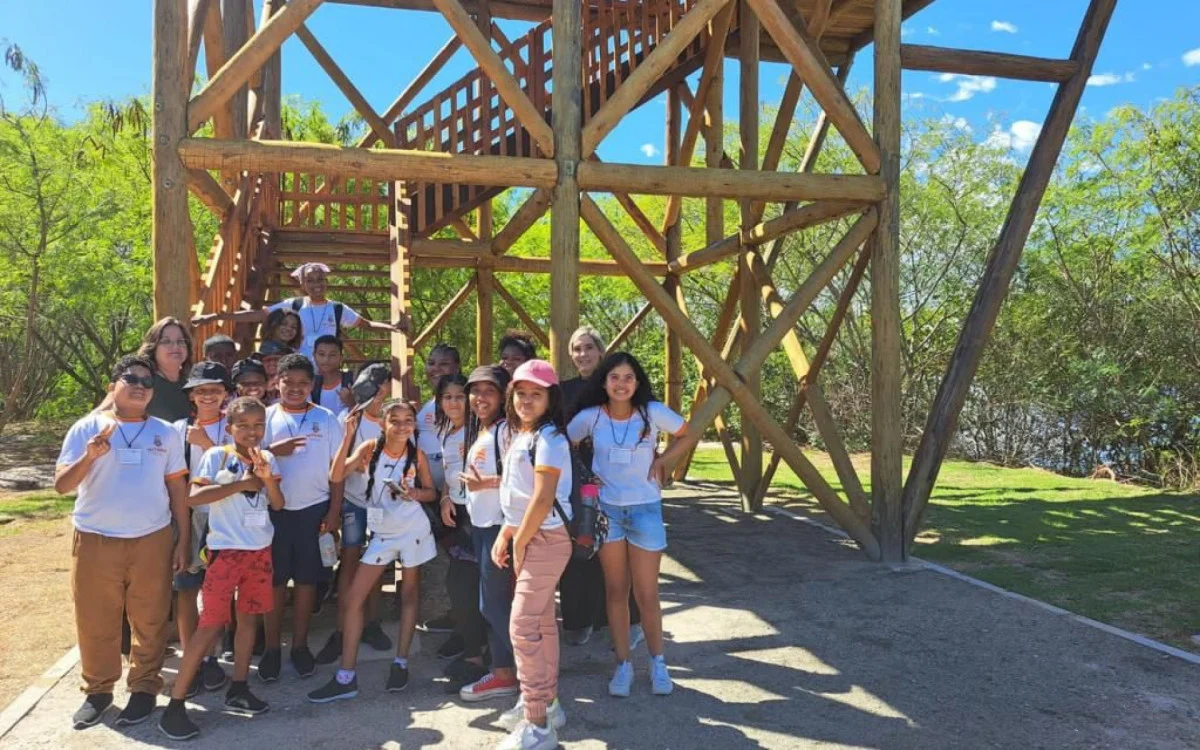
column 488, row 438
column 535, row 498
column 397, row 481
column 620, row 415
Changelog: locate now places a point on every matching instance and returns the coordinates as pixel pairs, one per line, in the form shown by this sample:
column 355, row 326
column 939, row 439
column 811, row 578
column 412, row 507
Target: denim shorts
column 354, row 525
column 186, row 581
column 641, row 525
column 295, row 552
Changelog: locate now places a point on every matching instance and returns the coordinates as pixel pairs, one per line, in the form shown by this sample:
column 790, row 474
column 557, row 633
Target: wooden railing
column 236, row 263
column 333, row 204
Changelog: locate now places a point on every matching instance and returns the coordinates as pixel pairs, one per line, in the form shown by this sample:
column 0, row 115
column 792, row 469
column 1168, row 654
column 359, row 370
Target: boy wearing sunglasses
column 127, row 470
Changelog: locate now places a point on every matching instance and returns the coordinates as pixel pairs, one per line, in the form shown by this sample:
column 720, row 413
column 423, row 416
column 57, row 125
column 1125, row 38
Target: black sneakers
column 212, row 674
column 397, row 678
column 176, row 724
column 302, row 660
column 241, row 699
column 137, row 710
column 269, row 665
column 92, row 710
column 332, row 650
column 374, row 637
column 453, row 648
column 334, row 691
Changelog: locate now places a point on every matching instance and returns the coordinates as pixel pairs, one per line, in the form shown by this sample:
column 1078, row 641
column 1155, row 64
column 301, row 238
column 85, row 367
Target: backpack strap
column 338, row 309
column 496, row 448
column 318, row 385
column 410, row 455
column 187, row 449
column 297, row 303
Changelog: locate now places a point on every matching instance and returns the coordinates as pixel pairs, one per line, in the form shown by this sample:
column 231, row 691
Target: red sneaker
column 489, row 686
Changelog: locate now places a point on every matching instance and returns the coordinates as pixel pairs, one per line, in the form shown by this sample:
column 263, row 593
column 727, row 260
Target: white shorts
column 411, row 550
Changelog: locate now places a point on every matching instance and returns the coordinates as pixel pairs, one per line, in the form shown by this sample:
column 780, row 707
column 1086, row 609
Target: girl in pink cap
column 535, row 489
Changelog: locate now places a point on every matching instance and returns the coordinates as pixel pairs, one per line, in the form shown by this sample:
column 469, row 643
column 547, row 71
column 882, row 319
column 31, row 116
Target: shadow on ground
column 780, row 636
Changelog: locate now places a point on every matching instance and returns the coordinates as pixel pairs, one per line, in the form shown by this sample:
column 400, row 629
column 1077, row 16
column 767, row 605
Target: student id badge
column 129, row 456
column 620, row 456
column 374, row 516
column 255, row 518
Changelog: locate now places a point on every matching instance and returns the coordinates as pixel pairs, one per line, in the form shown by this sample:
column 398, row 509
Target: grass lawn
column 1121, row 554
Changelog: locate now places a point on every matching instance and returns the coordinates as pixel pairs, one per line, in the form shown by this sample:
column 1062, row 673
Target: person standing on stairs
column 319, row 315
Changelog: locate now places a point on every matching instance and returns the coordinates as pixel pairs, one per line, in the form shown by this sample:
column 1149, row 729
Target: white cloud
column 968, row 86
column 958, row 123
column 1005, row 26
column 1020, row 136
column 1146, row 66
column 649, row 150
column 932, row 31
column 1191, row 57
column 1110, row 79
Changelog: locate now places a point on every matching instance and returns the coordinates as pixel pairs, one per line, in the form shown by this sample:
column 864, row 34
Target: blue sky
column 87, row 54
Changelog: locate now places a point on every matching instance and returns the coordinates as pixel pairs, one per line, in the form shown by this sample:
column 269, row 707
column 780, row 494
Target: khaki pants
column 109, row 575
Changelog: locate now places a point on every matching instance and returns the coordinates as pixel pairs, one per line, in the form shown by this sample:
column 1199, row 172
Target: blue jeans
column 495, row 597
column 641, row 525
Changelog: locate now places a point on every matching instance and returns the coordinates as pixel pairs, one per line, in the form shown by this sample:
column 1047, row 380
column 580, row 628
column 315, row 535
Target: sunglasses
column 130, row 379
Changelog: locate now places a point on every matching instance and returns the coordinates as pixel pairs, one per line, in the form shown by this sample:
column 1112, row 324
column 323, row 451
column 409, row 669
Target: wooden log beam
column 236, row 30
column 242, row 64
column 522, row 219
column 170, row 235
column 400, row 267
column 673, row 349
column 440, row 319
column 805, row 56
column 214, row 58
column 714, row 59
column 979, row 63
column 630, row 327
column 530, row 116
column 567, row 119
column 1001, row 264
column 413, row 89
column 197, row 17
column 730, row 378
column 513, row 264
column 727, row 183
column 648, row 72
column 463, row 229
column 377, row 124
column 514, row 11
column 523, row 315
column 271, row 95
column 803, row 217
column 205, row 187
column 751, row 307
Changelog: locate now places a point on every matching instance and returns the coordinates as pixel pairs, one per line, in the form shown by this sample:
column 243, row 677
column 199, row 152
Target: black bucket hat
column 207, row 373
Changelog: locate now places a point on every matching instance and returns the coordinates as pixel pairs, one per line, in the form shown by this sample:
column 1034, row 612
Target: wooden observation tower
column 531, row 116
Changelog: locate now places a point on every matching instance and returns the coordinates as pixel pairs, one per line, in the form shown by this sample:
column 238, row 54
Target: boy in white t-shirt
column 304, row 438
column 331, row 388
column 319, row 316
column 127, row 471
column 238, row 483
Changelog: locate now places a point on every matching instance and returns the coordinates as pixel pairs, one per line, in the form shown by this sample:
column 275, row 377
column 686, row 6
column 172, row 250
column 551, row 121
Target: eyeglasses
column 130, row 379
column 172, row 342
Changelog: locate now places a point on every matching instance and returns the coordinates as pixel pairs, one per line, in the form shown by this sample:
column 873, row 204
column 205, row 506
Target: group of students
column 242, row 495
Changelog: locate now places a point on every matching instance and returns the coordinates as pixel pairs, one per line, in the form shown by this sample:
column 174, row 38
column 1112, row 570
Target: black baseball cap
column 370, row 379
column 207, row 373
column 246, row 367
column 272, row 348
column 494, row 374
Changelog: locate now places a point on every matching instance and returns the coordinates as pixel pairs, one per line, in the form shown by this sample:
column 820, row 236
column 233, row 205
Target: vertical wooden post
column 485, row 293
column 271, row 94
column 567, row 121
column 674, row 237
column 714, row 149
column 886, row 375
column 399, row 244
column 170, row 233
column 236, row 32
column 748, row 57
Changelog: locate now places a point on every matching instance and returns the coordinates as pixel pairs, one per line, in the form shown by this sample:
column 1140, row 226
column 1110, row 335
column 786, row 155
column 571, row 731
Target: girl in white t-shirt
column 618, row 412
column 398, row 480
column 535, row 495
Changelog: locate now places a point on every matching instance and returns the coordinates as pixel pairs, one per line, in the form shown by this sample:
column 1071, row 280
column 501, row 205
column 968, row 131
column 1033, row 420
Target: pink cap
column 537, row 371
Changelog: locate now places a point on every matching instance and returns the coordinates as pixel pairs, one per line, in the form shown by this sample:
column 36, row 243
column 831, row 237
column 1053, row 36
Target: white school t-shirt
column 430, row 444
column 216, row 432
column 306, row 472
column 516, row 485
column 124, row 494
column 317, row 320
column 484, row 505
column 622, row 457
column 330, row 400
column 355, row 482
column 236, row 522
column 452, row 465
column 390, row 516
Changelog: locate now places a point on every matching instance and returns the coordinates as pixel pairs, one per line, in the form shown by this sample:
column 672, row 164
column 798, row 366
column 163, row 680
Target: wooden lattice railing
column 333, row 204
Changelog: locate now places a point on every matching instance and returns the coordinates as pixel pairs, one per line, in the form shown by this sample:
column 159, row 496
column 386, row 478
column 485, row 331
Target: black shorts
column 294, row 550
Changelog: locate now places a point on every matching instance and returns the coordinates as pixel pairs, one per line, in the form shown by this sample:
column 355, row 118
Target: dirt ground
column 780, row 636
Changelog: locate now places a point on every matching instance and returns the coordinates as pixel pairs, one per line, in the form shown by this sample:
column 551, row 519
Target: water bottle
column 329, row 552
column 588, row 510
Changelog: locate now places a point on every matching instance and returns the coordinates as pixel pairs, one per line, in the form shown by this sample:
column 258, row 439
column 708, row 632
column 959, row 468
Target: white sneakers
column 636, row 636
column 556, row 717
column 530, row 737
column 622, row 680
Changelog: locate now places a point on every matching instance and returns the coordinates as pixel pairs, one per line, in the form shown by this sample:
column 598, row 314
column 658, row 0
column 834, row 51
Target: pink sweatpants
column 532, row 625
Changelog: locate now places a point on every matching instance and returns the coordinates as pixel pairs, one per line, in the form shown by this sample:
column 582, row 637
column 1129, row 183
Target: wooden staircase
column 343, row 220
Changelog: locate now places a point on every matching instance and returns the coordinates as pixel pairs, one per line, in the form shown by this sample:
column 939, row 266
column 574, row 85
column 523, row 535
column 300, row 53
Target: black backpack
column 600, row 529
column 319, row 383
column 338, row 308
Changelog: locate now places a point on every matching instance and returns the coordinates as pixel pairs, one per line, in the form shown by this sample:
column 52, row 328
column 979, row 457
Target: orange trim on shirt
column 680, row 431
column 554, row 470
column 201, row 482
column 130, row 421
column 176, row 475
column 394, row 455
column 202, row 423
column 290, row 410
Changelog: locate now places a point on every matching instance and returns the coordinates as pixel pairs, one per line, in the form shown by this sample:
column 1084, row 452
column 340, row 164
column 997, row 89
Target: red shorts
column 248, row 572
